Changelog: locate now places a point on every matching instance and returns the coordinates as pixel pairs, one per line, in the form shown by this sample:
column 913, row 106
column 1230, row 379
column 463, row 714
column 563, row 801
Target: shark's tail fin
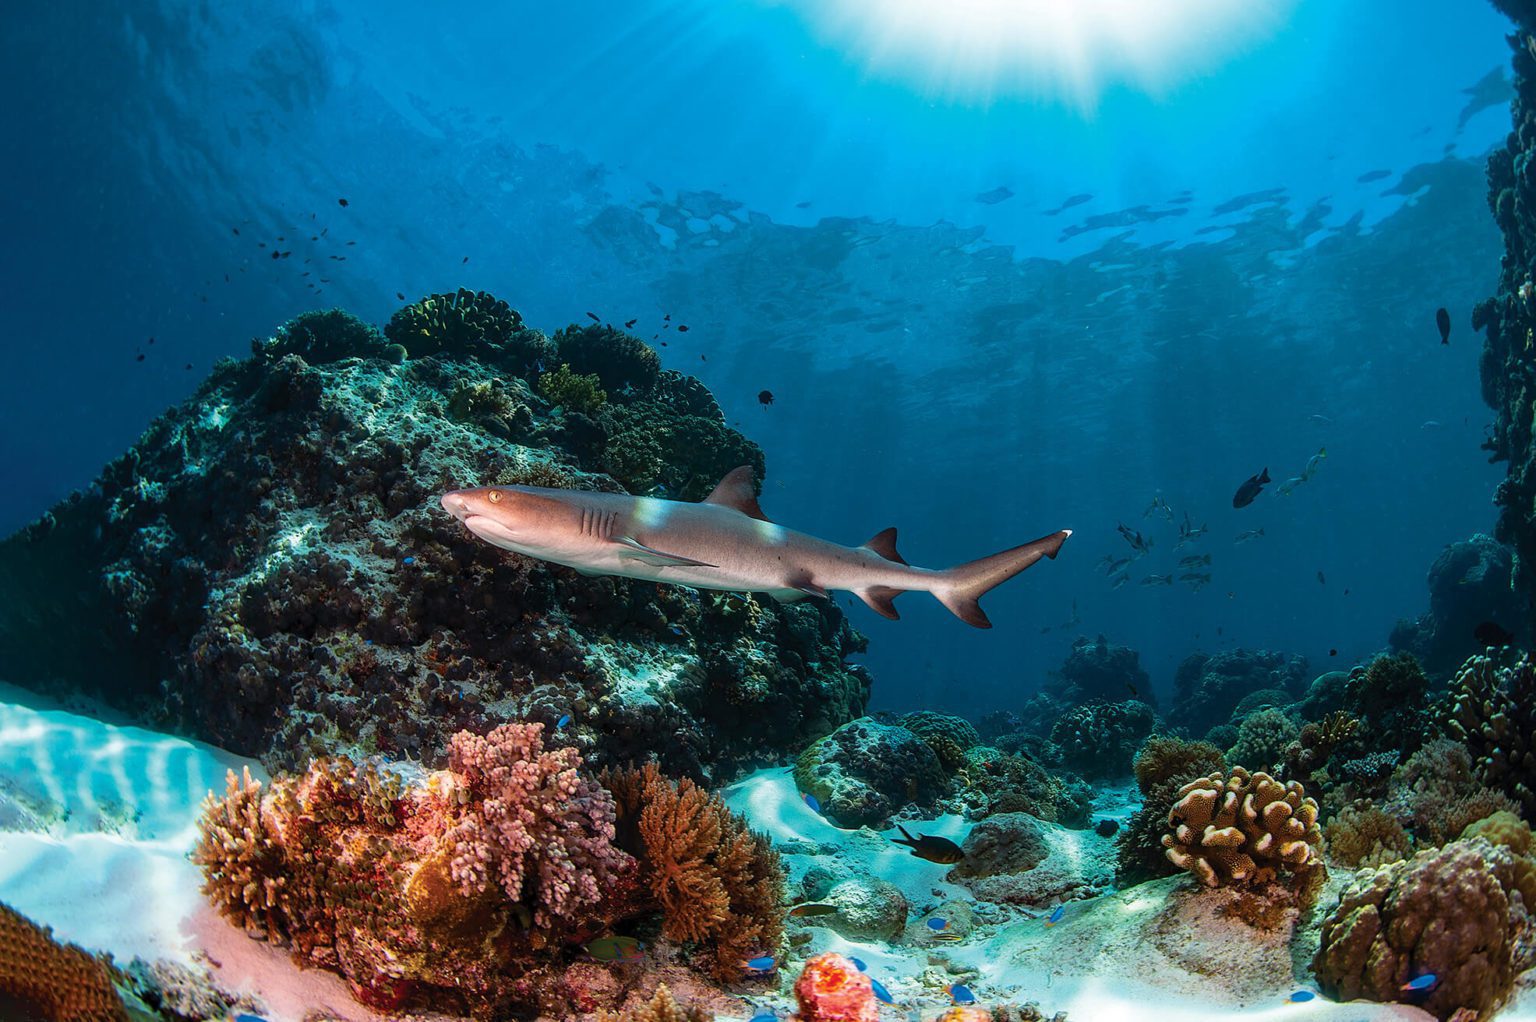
column 965, row 583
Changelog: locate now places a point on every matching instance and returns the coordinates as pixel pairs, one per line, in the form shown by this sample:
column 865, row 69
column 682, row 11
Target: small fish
column 400, row 295
column 1056, row 916
column 1333, row 651
column 1300, row 997
column 1189, row 531
column 615, row 949
column 1322, row 581
column 1106, row 827
column 236, row 230
column 948, row 937
column 1443, row 321
column 1491, row 633
column 764, row 1016
column 1420, row 984
column 139, row 357
column 677, row 630
column 1112, row 564
column 464, row 260
column 765, row 963
column 1320, row 420
column 407, row 560
column 803, row 205
column 1138, row 542
column 1161, row 506
column 858, row 963
column 1157, row 580
column 244, row 1017
column 1193, row 561
column 1131, row 688
column 1250, row 535
column 934, row 849
column 342, row 202
column 961, row 994
column 1313, row 463
column 815, row 908
column 813, row 802
column 1119, row 580
column 565, row 718
column 1250, row 489
column 881, row 993
column 682, row 329
column 938, row 922
column 765, row 398
column 1430, row 424
column 1285, row 488
column 594, row 317
column 629, row 324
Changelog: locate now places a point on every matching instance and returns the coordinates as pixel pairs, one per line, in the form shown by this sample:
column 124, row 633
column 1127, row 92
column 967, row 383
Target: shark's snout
column 455, row 505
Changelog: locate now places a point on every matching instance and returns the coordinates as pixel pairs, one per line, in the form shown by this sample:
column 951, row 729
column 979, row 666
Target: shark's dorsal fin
column 660, row 558
column 736, row 491
column 884, row 544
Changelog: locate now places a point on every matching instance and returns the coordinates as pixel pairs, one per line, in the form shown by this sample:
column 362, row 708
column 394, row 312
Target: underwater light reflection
column 970, row 50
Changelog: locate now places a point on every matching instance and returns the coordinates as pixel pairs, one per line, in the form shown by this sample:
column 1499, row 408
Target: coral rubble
column 1242, row 829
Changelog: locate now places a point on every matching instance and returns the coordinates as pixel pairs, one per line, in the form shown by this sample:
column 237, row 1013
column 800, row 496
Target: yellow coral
column 1367, row 837
column 1507, row 829
column 51, row 982
column 1241, row 828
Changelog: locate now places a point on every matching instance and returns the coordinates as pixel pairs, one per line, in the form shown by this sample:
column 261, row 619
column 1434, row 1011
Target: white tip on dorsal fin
column 736, row 491
column 884, row 544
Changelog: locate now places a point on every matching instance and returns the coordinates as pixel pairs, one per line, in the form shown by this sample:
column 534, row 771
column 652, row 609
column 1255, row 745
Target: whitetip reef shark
column 723, row 542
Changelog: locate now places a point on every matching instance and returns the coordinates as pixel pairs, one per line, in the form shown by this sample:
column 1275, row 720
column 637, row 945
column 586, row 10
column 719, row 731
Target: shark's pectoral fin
column 590, row 572
column 880, row 600
column 798, row 590
column 788, row 595
column 736, row 491
column 659, row 558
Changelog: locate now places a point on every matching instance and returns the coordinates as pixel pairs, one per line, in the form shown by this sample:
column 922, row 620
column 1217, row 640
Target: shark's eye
column 494, row 496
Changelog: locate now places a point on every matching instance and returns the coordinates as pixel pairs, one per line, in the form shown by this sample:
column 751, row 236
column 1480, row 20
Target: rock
column 865, row 770
column 1469, row 583
column 867, row 909
column 1005, row 843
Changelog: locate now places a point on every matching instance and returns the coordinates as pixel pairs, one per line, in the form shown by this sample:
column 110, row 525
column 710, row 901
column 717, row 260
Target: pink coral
column 537, row 827
column 831, row 989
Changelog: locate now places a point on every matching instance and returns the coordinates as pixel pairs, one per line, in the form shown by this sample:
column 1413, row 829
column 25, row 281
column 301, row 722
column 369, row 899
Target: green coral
column 574, row 392
column 323, row 336
column 491, row 405
column 469, row 323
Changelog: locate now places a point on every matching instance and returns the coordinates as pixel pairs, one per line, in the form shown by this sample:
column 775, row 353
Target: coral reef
column 1437, row 794
column 1390, row 698
column 1309, row 753
column 269, row 567
column 1242, row 829
column 1099, row 669
column 47, row 981
column 1098, row 738
column 1262, row 739
column 447, row 894
column 1208, row 687
column 1452, row 912
column 662, row 1007
column 994, row 781
column 1492, row 710
column 1162, row 766
column 715, row 881
column 865, row 770
column 1469, row 583
column 1366, row 836
column 582, row 394
column 1507, row 830
column 1324, row 696
column 949, row 737
column 1164, row 759
column 831, row 989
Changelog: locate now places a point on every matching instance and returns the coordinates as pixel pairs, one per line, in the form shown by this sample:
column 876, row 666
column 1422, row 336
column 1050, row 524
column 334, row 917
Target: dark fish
column 681, row 328
column 1002, row 193
column 1320, row 579
column 187, row 366
column 1131, row 688
column 935, row 849
column 236, row 230
column 1491, row 633
column 1333, row 652
column 1106, row 827
column 594, row 317
column 765, row 398
column 1373, row 175
column 343, row 202
column 400, row 296
column 803, row 205
column 465, row 259
column 139, row 357
column 1443, row 321
column 151, row 340
column 1250, row 489
column 630, row 323
column 276, row 254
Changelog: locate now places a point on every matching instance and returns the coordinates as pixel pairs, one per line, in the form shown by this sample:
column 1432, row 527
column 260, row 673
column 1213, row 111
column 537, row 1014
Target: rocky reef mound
column 269, row 567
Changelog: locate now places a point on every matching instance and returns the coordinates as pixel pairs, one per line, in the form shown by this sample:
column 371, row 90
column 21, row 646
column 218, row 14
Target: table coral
column 45, row 980
column 831, row 989
column 1451, row 911
column 1492, row 710
column 1242, row 829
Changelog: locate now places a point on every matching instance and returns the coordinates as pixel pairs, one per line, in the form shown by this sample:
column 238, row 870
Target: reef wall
column 269, row 567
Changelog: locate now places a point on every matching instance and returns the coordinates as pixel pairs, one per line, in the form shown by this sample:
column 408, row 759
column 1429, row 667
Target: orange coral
column 52, row 982
column 1242, row 828
column 715, row 880
column 831, row 989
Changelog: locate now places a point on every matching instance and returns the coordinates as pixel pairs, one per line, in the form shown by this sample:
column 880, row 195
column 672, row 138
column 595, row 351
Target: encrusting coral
column 717, row 883
column 441, row 894
column 1452, row 912
column 1492, row 710
column 43, row 980
column 1242, row 829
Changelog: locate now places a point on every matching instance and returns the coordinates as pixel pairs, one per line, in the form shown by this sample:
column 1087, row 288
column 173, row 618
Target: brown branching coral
column 51, row 982
column 715, row 881
column 1162, row 766
column 1164, row 758
column 1493, row 712
column 1242, row 829
column 1309, row 753
column 662, row 1007
column 1367, row 836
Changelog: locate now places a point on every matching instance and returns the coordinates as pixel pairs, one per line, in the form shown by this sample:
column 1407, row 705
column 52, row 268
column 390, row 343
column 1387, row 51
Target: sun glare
column 1060, row 50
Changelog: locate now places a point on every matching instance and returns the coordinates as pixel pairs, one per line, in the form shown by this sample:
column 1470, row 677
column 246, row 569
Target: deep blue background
column 975, row 373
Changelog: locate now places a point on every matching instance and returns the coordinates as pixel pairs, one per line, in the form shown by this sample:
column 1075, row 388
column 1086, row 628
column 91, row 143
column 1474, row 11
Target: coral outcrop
column 865, row 770
column 1099, row 669
column 1098, row 739
column 1262, row 739
column 662, row 1007
column 949, row 737
column 1367, row 836
column 1469, row 583
column 717, row 883
column 43, row 980
column 1492, row 710
column 1452, row 912
column 1242, row 829
column 1437, row 793
column 269, row 567
column 1006, row 843
column 994, row 781
column 1162, row 766
column 1208, row 687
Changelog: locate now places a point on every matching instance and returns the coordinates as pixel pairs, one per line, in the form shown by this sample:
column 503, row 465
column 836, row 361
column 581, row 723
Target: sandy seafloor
column 97, row 819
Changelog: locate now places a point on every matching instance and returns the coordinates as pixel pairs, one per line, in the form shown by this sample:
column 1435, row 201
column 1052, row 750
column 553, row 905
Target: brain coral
column 1493, row 712
column 1450, row 911
column 43, row 980
column 1099, row 738
column 1242, row 828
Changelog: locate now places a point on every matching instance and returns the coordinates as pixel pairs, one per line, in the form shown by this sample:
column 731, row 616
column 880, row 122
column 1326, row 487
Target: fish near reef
column 926, row 846
column 723, row 542
column 1250, row 489
column 1443, row 321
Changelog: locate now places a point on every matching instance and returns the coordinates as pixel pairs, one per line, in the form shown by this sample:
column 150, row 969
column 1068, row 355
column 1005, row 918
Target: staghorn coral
column 1451, row 911
column 949, row 737
column 582, row 394
column 1492, row 710
column 45, row 980
column 1367, row 836
column 448, row 894
column 662, row 1007
column 1242, row 829
column 715, row 881
column 1098, row 739
column 830, row 989
column 1262, row 738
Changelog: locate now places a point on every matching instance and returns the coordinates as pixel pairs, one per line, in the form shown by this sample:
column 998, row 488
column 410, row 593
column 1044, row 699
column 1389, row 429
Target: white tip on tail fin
column 966, row 583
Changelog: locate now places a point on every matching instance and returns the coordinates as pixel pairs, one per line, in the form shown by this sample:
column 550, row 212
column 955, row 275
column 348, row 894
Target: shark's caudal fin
column 965, row 583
